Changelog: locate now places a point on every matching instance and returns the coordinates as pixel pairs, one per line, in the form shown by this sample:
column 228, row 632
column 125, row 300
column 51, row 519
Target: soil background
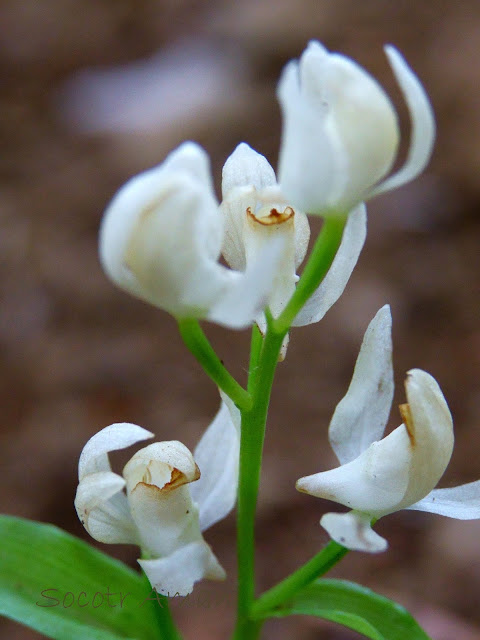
column 76, row 354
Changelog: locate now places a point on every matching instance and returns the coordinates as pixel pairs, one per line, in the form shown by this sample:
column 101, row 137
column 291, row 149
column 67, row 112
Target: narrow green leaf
column 355, row 607
column 58, row 585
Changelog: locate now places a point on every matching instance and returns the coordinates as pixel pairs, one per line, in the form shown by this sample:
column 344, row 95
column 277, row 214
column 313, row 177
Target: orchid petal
column 332, row 111
column 217, row 455
column 190, row 158
column 304, row 180
column 246, row 294
column 462, row 502
column 430, row 429
column 246, row 167
column 166, row 520
column 175, row 574
column 244, row 175
column 159, row 498
column 353, row 531
column 234, row 210
column 422, row 135
column 121, row 435
column 374, row 483
column 340, row 271
column 361, row 416
column 102, row 508
column 403, row 467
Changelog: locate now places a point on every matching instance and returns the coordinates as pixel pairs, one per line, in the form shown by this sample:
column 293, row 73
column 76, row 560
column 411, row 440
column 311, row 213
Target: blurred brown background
column 76, row 354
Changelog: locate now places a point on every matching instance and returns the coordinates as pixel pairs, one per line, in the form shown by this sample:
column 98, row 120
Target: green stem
column 318, row 264
column 255, row 351
column 263, row 362
column 199, row 345
column 251, row 448
column 285, row 590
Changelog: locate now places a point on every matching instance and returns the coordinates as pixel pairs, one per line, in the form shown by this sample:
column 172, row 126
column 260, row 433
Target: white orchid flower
column 255, row 213
column 161, row 237
column 341, row 134
column 379, row 475
column 167, row 504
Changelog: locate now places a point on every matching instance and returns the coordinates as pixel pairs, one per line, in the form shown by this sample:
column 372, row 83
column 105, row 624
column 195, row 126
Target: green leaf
column 44, row 571
column 355, row 607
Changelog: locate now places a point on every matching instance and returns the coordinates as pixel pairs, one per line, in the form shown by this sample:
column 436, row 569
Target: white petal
column 246, row 294
column 360, row 116
column 305, row 165
column 361, row 416
column 260, row 232
column 190, row 158
column 245, row 174
column 333, row 110
column 159, row 498
column 234, row 210
column 235, row 414
column 462, row 502
column 121, row 435
column 245, row 167
column 340, row 271
column 375, row 483
column 422, row 136
column 353, row 530
column 302, row 236
column 158, row 236
column 217, row 456
column 176, row 574
column 103, row 509
column 166, row 520
column 430, row 428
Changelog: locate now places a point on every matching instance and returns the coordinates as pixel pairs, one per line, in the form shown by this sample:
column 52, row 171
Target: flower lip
column 177, row 479
column 270, row 215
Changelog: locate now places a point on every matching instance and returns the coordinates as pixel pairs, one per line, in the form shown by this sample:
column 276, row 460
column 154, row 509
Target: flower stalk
column 199, row 345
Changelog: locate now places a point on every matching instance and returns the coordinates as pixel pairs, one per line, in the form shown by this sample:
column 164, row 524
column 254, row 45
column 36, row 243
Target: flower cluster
column 161, row 240
column 163, row 233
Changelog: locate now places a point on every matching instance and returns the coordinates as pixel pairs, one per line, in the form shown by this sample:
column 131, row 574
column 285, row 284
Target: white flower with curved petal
column 379, row 475
column 167, row 503
column 340, row 131
column 161, row 237
column 255, row 213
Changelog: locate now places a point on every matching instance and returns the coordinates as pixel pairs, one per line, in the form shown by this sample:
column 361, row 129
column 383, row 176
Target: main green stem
column 251, row 448
column 263, row 362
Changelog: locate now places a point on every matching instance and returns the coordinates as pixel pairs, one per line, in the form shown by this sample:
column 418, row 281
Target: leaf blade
column 36, row 558
column 355, row 607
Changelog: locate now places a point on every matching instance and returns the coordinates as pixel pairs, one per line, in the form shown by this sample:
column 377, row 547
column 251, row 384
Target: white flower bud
column 340, row 131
